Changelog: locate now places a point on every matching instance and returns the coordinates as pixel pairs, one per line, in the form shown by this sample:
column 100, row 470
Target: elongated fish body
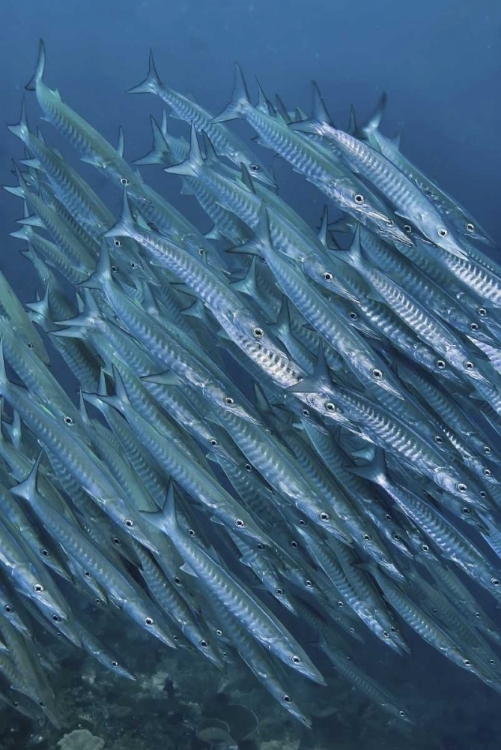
column 411, row 203
column 226, row 143
column 121, row 588
column 233, row 596
column 464, row 224
column 314, row 162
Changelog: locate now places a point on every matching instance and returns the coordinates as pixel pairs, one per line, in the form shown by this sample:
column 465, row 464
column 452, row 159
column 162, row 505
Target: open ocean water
column 440, row 63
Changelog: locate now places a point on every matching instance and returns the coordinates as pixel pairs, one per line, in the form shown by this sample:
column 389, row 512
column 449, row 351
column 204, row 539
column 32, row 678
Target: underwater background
column 440, row 63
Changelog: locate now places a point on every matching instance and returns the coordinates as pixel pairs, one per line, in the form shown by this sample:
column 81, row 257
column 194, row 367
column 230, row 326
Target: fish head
column 454, row 484
column 219, row 395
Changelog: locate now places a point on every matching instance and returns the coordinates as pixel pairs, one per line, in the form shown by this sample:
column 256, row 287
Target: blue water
column 439, row 61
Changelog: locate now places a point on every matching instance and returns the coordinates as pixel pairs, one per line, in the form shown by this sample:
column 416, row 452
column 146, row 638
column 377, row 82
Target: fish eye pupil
column 177, row 580
column 8, row 608
column 114, row 269
column 294, row 545
column 487, row 472
column 466, row 510
column 482, row 311
column 204, row 644
column 239, row 522
column 258, row 332
column 359, row 198
column 495, row 581
column 279, row 592
column 324, row 516
column 305, row 412
column 461, row 487
column 45, row 552
column 248, row 467
column 438, row 439
column 469, row 365
column 30, row 345
column 474, row 326
column 442, row 232
column 308, row 584
column 229, row 401
column 254, row 167
column 470, row 227
column 56, row 618
column 367, row 537
column 287, row 699
column 191, row 532
column 328, row 276
column 38, row 587
column 487, row 449
column 129, row 523
column 440, row 364
column 114, row 664
column 377, row 374
column 68, row 420
column 148, row 621
column 117, row 242
column 259, row 545
column 219, row 632
column 124, row 180
column 330, row 406
column 296, row 660
column 353, row 315
column 407, row 228
column 425, row 548
column 467, row 663
column 214, row 442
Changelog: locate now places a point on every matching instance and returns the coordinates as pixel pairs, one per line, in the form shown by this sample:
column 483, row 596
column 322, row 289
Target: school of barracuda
column 330, row 400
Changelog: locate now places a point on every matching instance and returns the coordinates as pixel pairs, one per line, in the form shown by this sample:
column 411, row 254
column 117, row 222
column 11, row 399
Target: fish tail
column 39, row 69
column 151, row 83
column 240, row 100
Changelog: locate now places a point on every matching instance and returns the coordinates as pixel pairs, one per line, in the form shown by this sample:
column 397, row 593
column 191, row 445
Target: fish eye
column 495, row 581
column 279, row 592
column 259, row 545
column 116, row 540
column 396, row 537
column 129, row 523
column 359, row 198
column 68, row 420
column 340, row 603
column 41, row 704
column 254, row 167
column 387, row 516
column 8, row 608
column 201, row 251
column 425, row 548
column 117, row 242
column 393, row 629
column 294, row 544
column 305, row 412
column 353, row 315
column 114, row 269
column 438, row 439
column 86, row 573
column 330, row 406
column 229, row 401
column 366, row 537
column 386, row 634
column 295, row 659
column 191, row 532
column 287, row 699
column 482, row 311
column 134, row 265
column 467, row 662
column 177, row 580
column 213, row 441
column 30, row 345
column 56, row 618
column 440, row 364
column 474, row 326
column 470, row 227
column 45, row 552
column 377, row 373
column 442, row 232
column 148, row 621
column 114, row 664
column 219, row 632
column 308, row 584
column 248, row 467
column 469, row 365
column 466, row 510
column 124, row 180
column 328, row 276
column 487, row 472
column 239, row 522
column 487, row 450
column 302, row 522
column 461, row 487
column 38, row 588
column 407, row 228
column 324, row 516
column 258, row 333
column 204, row 643
column 402, row 714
